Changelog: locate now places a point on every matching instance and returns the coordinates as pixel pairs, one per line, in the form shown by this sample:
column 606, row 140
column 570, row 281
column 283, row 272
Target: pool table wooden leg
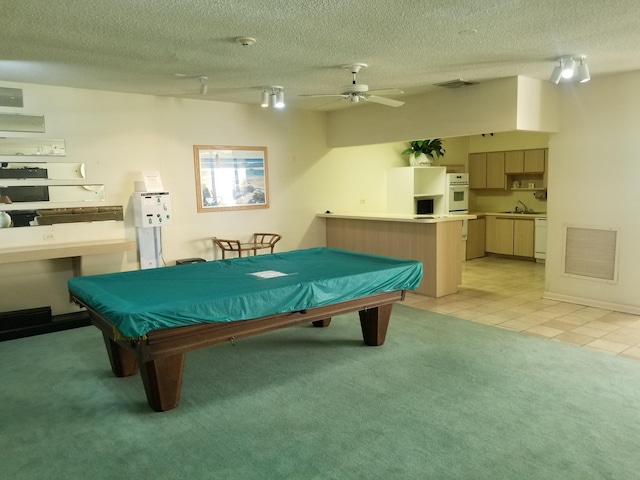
column 374, row 323
column 162, row 379
column 123, row 362
column 325, row 322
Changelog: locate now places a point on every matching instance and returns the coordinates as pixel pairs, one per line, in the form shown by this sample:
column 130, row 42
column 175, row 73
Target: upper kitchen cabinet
column 524, row 161
column 477, row 170
column 487, row 170
column 520, row 169
column 412, row 190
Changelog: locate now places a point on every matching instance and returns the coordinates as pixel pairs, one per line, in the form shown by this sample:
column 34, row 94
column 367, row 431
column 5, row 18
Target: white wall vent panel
column 591, row 253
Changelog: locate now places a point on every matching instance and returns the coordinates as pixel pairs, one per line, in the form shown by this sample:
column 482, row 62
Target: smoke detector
column 246, row 41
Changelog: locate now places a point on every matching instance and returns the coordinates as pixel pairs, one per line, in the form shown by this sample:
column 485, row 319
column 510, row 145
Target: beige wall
column 594, row 167
column 594, row 172
column 121, row 135
column 494, row 106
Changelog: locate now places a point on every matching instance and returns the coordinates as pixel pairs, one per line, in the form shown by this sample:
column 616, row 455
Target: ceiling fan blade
column 386, row 91
column 330, row 105
column 324, row 95
column 384, row 101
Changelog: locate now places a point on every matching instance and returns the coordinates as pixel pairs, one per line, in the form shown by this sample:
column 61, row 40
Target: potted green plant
column 424, row 152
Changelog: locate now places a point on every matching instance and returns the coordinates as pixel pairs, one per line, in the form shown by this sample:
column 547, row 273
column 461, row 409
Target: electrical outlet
column 362, row 201
column 47, row 236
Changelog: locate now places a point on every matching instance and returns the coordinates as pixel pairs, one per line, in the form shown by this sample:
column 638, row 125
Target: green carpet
column 442, row 399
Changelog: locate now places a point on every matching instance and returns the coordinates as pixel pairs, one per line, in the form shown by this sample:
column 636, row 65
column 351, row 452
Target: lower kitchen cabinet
column 523, row 237
column 510, row 236
column 476, row 233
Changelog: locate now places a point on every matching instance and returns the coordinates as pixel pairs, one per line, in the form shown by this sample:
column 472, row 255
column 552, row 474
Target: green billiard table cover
column 137, row 302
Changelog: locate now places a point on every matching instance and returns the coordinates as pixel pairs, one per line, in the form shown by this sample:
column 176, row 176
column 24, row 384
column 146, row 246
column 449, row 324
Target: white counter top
column 514, row 215
column 64, row 250
column 397, row 217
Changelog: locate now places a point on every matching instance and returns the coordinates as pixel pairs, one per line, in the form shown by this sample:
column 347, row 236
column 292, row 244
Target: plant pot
column 421, row 160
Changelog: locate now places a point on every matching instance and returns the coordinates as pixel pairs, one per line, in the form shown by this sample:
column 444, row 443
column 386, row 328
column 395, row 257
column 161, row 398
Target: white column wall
column 594, row 179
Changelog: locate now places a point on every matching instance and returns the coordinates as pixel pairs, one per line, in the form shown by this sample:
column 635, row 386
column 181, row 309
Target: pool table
column 151, row 318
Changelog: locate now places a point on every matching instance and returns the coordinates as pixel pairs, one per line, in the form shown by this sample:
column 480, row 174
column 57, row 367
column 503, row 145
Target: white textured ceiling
column 138, row 46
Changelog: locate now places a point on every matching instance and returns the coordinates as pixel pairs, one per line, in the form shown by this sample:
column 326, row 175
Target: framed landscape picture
column 230, row 178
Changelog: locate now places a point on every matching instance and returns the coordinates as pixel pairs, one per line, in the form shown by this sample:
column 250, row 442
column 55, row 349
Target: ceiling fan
column 359, row 91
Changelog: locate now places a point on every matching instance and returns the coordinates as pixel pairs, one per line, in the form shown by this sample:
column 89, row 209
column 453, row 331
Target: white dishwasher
column 540, row 239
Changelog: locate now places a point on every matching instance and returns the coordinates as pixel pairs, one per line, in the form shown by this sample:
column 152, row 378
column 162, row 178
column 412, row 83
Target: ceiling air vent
column 455, row 84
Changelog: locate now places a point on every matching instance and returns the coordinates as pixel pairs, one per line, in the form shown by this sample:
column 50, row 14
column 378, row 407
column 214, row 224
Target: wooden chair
column 260, row 241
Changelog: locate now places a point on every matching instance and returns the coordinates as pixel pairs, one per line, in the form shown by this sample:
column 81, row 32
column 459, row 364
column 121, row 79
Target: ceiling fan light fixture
column 359, row 91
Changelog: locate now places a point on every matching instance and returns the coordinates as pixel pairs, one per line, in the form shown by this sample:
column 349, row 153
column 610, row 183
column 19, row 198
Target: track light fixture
column 203, row 84
column 273, row 96
column 265, row 99
column 568, row 66
column 566, row 69
column 583, row 71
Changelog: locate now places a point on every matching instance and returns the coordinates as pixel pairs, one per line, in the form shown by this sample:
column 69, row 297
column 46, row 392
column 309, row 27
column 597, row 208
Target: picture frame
column 230, row 177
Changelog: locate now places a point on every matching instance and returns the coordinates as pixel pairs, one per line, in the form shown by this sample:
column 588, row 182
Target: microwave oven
column 424, row 206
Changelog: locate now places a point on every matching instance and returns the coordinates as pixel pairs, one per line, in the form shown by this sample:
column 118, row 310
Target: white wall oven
column 457, row 193
column 457, row 201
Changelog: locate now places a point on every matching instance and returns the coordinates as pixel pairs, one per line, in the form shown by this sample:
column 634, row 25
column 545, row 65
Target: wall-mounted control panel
column 152, row 209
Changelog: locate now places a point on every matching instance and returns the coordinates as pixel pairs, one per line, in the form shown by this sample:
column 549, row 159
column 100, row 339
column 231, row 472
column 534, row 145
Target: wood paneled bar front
column 435, row 241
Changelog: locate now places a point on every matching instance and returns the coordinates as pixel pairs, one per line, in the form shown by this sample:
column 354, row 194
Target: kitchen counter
column 398, row 217
column 436, row 242
column 511, row 214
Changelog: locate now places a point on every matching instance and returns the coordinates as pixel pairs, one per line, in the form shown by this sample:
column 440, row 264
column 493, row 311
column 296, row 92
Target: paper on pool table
column 139, row 301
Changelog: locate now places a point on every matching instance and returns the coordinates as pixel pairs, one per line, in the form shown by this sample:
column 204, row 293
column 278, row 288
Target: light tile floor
column 507, row 294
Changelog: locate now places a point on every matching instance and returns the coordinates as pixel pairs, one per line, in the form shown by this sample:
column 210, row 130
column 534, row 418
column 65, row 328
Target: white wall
column 594, row 178
column 121, row 135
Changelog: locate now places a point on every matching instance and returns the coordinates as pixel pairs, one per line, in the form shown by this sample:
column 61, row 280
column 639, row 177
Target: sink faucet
column 526, row 209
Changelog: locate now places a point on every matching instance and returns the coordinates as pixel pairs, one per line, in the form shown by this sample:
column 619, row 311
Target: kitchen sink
column 521, row 212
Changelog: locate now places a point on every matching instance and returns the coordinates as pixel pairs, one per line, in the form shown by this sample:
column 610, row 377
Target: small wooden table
column 260, row 241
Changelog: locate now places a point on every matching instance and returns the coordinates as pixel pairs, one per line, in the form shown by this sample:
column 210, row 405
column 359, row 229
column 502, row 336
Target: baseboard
column 589, row 302
column 58, row 323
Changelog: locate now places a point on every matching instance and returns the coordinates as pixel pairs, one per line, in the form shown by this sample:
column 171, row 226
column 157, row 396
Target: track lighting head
column 273, row 96
column 568, row 66
column 568, row 69
column 203, row 84
column 556, row 75
column 583, row 71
